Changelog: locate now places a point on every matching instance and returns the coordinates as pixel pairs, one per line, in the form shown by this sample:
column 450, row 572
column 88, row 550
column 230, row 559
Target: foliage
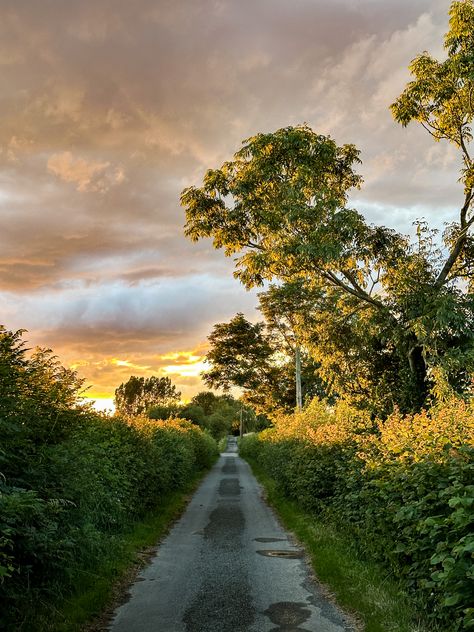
column 72, row 481
column 253, row 357
column 239, row 355
column 139, row 394
column 163, row 411
column 410, row 476
column 358, row 584
column 219, row 415
column 383, row 308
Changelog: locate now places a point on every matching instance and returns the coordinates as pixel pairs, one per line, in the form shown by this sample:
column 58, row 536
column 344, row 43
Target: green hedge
column 72, row 481
column 403, row 489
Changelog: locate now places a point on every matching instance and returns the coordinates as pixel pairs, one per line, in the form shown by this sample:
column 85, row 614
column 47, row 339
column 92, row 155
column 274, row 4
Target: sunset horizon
column 236, row 315
column 109, row 114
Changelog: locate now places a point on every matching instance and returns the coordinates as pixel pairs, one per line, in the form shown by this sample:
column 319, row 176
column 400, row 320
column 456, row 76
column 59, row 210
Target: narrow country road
column 228, row 566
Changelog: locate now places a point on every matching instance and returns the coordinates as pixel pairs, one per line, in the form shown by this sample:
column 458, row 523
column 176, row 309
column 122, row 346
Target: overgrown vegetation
column 401, row 489
column 72, row 481
column 363, row 587
column 387, row 320
column 218, row 415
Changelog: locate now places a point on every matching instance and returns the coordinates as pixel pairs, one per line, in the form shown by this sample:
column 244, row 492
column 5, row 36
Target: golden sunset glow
column 105, row 375
column 187, row 364
column 129, row 365
column 102, row 404
column 94, row 262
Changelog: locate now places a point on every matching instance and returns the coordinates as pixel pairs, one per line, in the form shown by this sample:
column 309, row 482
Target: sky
column 109, row 108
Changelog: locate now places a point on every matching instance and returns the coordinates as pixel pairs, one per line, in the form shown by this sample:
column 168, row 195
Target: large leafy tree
column 139, row 394
column 249, row 356
column 286, row 310
column 241, row 355
column 280, row 208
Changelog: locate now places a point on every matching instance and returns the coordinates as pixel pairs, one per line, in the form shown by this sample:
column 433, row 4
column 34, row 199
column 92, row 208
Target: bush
column 72, row 481
column 410, row 476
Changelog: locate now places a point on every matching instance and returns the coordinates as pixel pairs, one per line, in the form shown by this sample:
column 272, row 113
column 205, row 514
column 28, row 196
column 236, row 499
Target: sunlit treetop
column 280, row 208
column 441, row 98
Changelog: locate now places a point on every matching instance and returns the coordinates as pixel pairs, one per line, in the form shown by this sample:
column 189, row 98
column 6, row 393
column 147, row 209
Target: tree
column 239, row 355
column 218, row 414
column 249, row 357
column 441, row 99
column 40, row 406
column 285, row 309
column 206, row 400
column 139, row 394
column 195, row 413
column 163, row 411
column 280, row 208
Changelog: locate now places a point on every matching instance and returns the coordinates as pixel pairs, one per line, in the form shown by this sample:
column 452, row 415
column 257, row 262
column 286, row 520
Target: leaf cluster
column 139, row 394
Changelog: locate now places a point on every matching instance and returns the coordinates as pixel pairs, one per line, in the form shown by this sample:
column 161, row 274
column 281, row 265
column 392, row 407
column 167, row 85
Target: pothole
column 288, row 615
column 280, row 553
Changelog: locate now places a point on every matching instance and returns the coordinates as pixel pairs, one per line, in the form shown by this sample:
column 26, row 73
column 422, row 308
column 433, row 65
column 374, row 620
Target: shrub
column 410, row 476
column 71, row 480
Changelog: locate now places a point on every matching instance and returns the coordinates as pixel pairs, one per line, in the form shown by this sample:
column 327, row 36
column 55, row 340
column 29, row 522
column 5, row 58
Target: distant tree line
column 157, row 398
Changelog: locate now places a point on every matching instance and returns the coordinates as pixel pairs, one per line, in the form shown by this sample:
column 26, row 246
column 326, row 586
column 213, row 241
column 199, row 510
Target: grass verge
column 101, row 589
column 360, row 586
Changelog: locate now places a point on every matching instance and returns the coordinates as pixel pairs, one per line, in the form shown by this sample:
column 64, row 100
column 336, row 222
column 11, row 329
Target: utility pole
column 299, row 399
column 241, row 422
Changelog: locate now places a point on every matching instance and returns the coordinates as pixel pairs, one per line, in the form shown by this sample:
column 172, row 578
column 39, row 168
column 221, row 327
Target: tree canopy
column 139, row 394
column 395, row 315
column 251, row 357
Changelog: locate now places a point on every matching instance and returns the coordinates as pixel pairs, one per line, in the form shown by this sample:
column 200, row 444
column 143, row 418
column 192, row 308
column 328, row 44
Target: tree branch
column 458, row 246
column 463, row 145
column 355, row 291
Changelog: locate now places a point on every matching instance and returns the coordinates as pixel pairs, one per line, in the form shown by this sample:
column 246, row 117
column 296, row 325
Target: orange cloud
column 87, row 175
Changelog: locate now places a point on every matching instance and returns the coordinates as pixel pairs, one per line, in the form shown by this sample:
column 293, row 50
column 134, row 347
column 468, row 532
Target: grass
column 99, row 587
column 222, row 444
column 360, row 586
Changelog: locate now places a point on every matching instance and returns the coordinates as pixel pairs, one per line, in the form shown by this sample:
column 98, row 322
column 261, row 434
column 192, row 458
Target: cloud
column 109, row 109
column 87, row 176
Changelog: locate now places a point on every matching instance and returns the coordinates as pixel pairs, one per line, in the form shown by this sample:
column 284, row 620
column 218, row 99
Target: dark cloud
column 110, row 108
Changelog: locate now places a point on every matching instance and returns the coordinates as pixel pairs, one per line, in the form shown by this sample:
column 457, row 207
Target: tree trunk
column 418, row 370
column 299, row 399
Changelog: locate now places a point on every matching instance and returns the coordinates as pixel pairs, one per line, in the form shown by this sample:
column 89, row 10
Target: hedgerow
column 403, row 489
column 73, row 481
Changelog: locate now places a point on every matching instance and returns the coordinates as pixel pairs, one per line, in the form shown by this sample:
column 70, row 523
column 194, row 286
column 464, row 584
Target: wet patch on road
column 291, row 555
column 270, row 540
column 223, row 604
column 229, row 466
column 226, row 524
column 229, row 487
column 288, row 616
column 224, row 601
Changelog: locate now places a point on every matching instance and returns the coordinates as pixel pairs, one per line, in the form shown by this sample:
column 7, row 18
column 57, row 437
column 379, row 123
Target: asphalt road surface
column 228, row 566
